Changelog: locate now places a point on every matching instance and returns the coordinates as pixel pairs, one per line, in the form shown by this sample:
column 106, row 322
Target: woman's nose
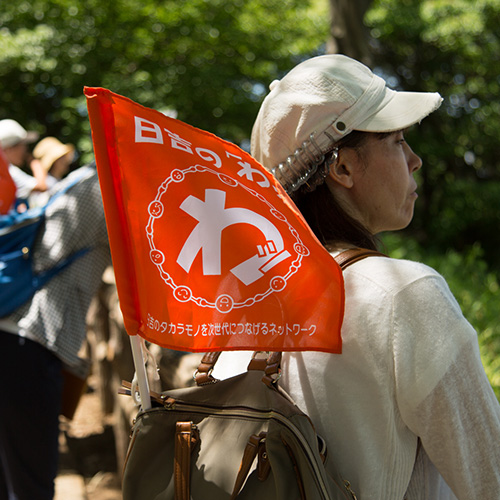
column 414, row 161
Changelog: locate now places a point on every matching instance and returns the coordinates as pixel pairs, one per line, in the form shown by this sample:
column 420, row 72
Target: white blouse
column 407, row 410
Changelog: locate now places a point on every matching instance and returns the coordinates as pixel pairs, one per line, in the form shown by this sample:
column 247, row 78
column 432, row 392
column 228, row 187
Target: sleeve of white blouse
column 442, row 390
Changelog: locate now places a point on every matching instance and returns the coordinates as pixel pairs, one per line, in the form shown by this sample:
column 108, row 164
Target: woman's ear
column 342, row 170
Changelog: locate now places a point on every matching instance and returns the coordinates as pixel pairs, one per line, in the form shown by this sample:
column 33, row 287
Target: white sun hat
column 320, row 101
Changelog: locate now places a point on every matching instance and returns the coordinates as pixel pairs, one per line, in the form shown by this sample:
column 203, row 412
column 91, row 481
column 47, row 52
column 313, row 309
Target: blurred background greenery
column 209, row 62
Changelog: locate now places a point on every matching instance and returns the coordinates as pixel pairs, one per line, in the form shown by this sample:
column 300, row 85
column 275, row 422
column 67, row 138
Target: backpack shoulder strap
column 270, row 364
column 348, row 257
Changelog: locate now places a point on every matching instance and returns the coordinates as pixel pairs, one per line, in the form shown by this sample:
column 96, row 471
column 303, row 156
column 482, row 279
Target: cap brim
column 400, row 110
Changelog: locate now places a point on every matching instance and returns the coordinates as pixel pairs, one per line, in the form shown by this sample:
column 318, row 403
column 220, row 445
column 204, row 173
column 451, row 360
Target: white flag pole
column 140, row 371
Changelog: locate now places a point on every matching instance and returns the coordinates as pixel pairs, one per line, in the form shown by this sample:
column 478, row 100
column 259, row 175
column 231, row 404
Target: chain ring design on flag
column 225, row 303
column 202, row 261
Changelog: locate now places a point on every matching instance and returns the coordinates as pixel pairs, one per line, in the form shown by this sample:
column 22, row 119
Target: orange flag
column 7, row 186
column 209, row 252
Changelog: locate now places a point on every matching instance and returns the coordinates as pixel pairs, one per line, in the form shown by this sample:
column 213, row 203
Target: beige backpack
column 242, row 438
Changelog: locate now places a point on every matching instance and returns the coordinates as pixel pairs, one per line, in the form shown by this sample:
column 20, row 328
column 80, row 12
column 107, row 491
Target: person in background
column 55, row 158
column 14, row 141
column 52, row 161
column 44, row 335
column 406, row 410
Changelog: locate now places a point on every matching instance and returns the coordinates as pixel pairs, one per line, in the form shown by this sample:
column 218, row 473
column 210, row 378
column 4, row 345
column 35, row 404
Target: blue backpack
column 18, row 232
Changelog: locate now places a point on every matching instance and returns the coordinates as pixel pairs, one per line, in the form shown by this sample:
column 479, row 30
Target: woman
column 407, row 410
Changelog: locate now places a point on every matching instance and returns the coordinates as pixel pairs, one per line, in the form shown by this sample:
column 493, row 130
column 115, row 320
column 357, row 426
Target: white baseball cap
column 320, row 101
column 12, row 133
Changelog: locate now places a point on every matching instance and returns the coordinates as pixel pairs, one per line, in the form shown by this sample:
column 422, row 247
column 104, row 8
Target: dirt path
column 88, row 468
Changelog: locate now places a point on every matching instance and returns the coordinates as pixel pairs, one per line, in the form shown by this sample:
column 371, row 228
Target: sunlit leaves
column 209, row 60
column 453, row 47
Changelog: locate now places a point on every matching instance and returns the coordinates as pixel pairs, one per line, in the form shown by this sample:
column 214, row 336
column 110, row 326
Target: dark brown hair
column 329, row 222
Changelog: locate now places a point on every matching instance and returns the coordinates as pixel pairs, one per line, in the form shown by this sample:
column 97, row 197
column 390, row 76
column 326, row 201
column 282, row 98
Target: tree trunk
column 348, row 34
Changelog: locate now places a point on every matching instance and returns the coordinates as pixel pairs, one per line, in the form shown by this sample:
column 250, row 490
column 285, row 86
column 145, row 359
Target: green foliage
column 210, row 61
column 453, row 47
column 475, row 287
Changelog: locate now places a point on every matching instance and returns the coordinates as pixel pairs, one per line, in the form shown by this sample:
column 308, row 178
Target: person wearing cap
column 14, row 141
column 45, row 334
column 406, row 410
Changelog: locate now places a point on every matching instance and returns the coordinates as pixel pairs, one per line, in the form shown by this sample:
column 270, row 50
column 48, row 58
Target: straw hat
column 49, row 150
